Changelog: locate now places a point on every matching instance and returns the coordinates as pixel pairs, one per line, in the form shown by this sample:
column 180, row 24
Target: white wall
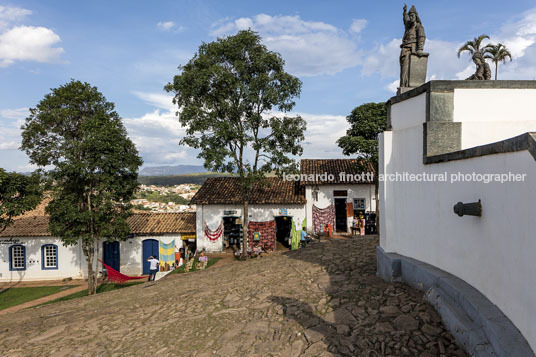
column 490, row 115
column 212, row 216
column 71, row 261
column 326, row 198
column 409, row 113
column 495, row 252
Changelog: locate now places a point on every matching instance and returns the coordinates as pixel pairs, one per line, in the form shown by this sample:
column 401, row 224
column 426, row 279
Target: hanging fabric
column 213, row 235
column 323, row 216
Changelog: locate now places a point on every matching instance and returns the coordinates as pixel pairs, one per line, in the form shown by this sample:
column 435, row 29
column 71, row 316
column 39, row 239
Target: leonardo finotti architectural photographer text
column 409, row 177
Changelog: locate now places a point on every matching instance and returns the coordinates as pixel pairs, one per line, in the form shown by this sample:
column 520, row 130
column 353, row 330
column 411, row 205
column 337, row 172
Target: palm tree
column 473, row 45
column 497, row 53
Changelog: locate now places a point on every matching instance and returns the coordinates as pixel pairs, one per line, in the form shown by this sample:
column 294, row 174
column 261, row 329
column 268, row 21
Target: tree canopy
column 497, row 53
column 94, row 166
column 366, row 121
column 18, row 193
column 472, row 46
column 228, row 95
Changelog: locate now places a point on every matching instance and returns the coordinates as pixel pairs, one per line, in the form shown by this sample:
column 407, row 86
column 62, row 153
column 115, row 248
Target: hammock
column 117, row 277
column 213, row 235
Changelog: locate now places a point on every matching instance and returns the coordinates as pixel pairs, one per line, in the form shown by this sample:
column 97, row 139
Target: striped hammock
column 213, row 235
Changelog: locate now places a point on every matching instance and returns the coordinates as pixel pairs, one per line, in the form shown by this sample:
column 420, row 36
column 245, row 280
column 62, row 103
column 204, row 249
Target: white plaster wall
column 490, row 115
column 495, row 252
column 212, row 216
column 409, row 113
column 70, row 261
column 325, row 198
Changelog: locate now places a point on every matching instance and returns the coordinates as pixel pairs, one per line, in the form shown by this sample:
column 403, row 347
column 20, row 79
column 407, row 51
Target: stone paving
column 324, row 300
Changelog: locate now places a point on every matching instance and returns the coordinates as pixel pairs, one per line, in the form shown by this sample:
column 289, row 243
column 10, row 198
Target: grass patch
column 100, row 289
column 16, row 296
column 180, row 270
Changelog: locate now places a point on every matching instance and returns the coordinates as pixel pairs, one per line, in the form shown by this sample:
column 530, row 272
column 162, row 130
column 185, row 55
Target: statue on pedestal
column 412, row 47
column 483, row 72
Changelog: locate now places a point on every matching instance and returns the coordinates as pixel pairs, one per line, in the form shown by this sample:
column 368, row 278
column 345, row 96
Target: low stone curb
column 476, row 323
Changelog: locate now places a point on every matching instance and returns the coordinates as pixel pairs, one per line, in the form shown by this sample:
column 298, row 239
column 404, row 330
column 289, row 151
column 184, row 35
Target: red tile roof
column 226, row 190
column 140, row 223
column 315, row 168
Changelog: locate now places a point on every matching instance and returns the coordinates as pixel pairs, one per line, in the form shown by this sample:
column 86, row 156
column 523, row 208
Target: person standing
column 153, row 267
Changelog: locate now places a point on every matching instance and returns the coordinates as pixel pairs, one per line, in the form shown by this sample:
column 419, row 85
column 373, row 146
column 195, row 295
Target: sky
column 345, row 53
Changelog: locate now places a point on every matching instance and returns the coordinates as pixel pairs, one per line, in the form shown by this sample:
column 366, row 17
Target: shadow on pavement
column 361, row 315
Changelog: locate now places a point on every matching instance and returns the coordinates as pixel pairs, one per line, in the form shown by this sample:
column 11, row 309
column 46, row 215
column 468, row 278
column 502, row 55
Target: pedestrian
column 153, row 267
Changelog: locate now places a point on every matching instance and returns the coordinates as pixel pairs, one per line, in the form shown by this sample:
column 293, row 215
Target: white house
column 322, row 194
column 273, row 209
column 468, row 142
column 29, row 252
column 336, row 191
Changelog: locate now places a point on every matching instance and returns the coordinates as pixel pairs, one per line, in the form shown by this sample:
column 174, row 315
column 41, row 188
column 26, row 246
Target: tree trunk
column 245, row 224
column 89, row 253
column 496, row 69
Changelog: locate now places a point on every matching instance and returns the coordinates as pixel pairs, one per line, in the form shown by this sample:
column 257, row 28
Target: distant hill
column 171, row 180
column 172, row 170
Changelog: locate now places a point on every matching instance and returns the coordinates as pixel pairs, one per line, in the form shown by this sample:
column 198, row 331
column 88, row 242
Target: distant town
column 155, row 198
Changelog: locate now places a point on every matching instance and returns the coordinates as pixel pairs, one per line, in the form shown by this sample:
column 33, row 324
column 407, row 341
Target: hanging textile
column 117, row 277
column 296, row 235
column 214, row 235
column 167, row 253
column 323, row 216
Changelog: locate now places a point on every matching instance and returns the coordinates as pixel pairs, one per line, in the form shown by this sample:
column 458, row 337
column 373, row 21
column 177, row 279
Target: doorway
column 150, row 248
column 283, row 230
column 340, row 215
column 111, row 255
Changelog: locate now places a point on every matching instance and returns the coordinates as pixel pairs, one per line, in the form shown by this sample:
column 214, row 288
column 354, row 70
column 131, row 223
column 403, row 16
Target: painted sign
column 283, row 212
column 256, row 236
column 11, row 241
column 230, row 213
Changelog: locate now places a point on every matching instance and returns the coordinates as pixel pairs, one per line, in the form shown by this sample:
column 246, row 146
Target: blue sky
column 345, row 52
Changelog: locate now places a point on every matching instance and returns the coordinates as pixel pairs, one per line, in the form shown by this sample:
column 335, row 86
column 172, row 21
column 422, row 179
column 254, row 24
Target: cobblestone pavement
column 324, row 300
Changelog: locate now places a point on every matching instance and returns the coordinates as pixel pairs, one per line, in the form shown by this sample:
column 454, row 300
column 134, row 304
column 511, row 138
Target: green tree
column 94, row 167
column 18, row 193
column 473, row 46
column 226, row 94
column 497, row 53
column 366, row 121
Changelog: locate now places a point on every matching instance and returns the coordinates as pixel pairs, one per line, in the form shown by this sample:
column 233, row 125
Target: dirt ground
column 324, row 300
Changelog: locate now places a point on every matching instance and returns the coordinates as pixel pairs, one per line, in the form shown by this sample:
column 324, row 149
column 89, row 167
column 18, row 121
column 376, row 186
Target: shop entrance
column 232, row 232
column 340, row 215
column 283, row 229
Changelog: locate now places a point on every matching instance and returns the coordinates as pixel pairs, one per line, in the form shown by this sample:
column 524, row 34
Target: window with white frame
column 50, row 256
column 17, row 257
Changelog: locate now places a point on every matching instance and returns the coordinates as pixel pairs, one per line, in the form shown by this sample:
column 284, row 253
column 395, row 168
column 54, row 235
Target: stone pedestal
column 417, row 72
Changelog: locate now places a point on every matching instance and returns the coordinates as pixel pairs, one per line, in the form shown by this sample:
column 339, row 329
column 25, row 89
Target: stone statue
column 483, row 72
column 412, row 44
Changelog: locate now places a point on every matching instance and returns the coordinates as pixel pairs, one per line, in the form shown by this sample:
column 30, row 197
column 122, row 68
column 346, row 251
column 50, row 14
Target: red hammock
column 117, row 277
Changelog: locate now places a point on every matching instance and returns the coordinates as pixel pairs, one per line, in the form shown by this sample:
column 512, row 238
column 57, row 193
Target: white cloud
column 10, row 15
column 7, row 145
column 358, row 25
column 28, row 43
column 323, row 131
column 162, row 101
column 168, row 26
column 393, row 86
column 309, row 48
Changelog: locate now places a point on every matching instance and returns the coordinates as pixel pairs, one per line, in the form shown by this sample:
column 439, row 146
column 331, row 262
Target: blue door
column 150, row 248
column 111, row 254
